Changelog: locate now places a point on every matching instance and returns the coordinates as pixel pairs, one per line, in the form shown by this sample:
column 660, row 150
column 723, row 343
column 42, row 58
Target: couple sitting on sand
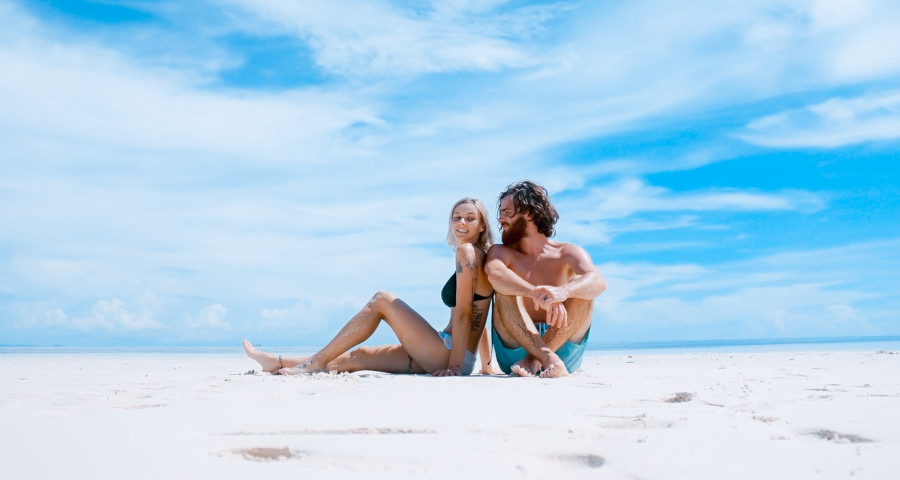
column 543, row 293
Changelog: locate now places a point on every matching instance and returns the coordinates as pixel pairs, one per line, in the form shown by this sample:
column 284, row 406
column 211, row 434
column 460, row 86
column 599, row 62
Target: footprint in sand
column 681, row 397
column 583, row 460
column 264, row 454
column 837, row 437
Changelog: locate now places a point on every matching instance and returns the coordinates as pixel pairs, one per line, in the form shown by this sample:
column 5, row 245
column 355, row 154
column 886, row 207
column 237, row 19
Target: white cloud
column 302, row 317
column 359, row 38
column 70, row 99
column 112, row 315
column 120, row 175
column 841, row 291
column 833, row 123
column 596, row 214
column 40, row 315
column 209, row 317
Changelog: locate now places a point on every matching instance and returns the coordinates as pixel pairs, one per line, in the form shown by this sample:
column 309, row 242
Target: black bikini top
column 448, row 293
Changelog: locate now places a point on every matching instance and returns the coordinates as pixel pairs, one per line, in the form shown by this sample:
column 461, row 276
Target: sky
column 195, row 173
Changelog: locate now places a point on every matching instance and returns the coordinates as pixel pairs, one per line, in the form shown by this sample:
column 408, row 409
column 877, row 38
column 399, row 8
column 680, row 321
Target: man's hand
column 546, row 295
column 557, row 316
column 551, row 299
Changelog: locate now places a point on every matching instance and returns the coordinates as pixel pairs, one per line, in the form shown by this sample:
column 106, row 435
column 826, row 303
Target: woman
column 422, row 349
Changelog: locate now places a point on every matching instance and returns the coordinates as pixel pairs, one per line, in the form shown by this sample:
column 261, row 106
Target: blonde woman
column 422, row 349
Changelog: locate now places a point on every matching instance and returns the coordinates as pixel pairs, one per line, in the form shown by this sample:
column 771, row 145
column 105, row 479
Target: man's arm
column 587, row 283
column 502, row 278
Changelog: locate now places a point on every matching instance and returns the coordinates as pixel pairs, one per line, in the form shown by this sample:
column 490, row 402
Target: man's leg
column 568, row 342
column 515, row 328
column 579, row 315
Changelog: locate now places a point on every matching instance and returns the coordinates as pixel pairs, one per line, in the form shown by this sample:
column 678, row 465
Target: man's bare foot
column 556, row 369
column 526, row 367
column 268, row 361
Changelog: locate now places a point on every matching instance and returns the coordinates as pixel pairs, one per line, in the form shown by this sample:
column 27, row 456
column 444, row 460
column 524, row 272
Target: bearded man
column 544, row 290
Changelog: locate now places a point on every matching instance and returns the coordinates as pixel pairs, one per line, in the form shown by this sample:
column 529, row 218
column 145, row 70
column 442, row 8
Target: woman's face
column 466, row 224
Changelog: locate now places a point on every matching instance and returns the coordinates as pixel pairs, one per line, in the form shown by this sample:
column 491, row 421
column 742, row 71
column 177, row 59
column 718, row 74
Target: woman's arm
column 484, row 351
column 461, row 320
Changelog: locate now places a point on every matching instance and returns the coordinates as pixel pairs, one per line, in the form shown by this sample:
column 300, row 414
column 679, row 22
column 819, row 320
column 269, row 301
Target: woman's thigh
column 417, row 337
column 387, row 358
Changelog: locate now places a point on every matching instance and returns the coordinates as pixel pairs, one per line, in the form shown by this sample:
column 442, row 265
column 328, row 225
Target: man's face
column 515, row 232
column 512, row 223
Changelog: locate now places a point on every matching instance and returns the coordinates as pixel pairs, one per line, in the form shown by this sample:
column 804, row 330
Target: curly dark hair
column 531, row 198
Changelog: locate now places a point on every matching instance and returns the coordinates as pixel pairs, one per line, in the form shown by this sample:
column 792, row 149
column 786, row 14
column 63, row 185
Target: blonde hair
column 486, row 238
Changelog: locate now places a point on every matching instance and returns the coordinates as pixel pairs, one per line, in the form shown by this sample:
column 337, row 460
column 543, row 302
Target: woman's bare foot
column 526, row 367
column 556, row 369
column 269, row 362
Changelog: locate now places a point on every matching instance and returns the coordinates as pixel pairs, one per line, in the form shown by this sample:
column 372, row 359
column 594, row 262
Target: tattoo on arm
column 458, row 267
column 475, row 326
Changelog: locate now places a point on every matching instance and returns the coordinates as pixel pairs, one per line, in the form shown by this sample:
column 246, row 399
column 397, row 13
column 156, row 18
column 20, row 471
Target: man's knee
column 580, row 312
column 505, row 311
column 504, row 302
column 579, row 308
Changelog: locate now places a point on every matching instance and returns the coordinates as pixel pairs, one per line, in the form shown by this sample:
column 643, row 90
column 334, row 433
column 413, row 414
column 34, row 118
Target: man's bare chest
column 541, row 271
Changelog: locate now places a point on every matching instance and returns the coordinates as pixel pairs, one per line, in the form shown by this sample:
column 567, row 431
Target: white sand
column 747, row 415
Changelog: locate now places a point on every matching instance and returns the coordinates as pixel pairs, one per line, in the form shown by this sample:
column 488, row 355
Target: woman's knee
column 360, row 353
column 354, row 360
column 381, row 300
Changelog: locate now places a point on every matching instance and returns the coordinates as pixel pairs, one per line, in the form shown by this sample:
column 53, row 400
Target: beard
column 514, row 233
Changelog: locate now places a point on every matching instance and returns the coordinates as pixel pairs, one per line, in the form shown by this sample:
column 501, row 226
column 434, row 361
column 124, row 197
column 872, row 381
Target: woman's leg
column 271, row 362
column 417, row 337
column 387, row 358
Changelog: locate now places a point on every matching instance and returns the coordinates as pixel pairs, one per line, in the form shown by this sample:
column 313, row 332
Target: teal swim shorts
column 570, row 353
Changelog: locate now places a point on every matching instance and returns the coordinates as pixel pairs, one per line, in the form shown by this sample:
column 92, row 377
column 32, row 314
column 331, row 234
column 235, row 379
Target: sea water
column 888, row 343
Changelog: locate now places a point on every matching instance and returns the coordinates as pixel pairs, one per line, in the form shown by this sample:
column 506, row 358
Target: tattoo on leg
column 409, row 368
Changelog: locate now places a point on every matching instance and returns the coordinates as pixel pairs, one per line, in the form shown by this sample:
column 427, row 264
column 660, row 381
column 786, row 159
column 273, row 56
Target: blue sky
column 195, row 173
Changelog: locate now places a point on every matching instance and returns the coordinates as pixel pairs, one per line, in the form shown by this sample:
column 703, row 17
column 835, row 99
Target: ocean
column 890, row 343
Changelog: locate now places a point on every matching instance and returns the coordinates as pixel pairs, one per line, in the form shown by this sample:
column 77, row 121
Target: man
column 544, row 290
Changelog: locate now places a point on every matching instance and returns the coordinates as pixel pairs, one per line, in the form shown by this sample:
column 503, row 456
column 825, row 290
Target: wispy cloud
column 210, row 317
column 358, row 38
column 596, row 214
column 833, row 123
column 129, row 165
column 828, row 292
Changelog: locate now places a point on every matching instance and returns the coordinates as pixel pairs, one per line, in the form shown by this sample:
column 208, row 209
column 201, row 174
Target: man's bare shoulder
column 564, row 247
column 571, row 251
column 499, row 251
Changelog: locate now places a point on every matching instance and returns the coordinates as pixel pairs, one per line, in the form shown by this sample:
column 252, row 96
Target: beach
column 634, row 415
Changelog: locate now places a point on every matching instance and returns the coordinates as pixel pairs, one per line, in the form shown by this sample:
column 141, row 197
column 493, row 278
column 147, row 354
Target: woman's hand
column 448, row 372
